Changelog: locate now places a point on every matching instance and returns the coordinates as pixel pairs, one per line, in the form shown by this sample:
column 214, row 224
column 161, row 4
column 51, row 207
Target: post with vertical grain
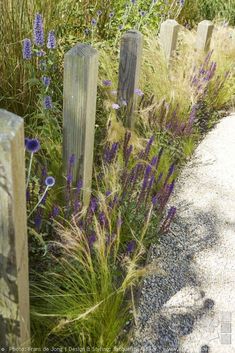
column 14, row 283
column 79, row 110
column 129, row 72
column 168, row 37
column 204, row 34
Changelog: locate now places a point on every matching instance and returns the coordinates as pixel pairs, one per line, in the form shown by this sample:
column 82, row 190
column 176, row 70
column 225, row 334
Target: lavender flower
column 51, row 40
column 27, row 49
column 38, row 30
column 46, row 80
column 111, row 14
column 48, row 102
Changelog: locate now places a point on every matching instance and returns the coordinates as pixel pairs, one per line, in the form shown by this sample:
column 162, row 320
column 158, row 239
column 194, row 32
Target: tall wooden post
column 80, row 89
column 129, row 72
column 14, row 285
column 168, row 37
column 204, row 34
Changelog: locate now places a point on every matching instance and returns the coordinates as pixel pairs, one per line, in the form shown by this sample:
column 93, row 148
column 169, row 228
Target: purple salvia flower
column 47, row 102
column 38, row 30
column 93, row 205
column 92, row 239
column 27, row 49
column 51, row 40
column 166, row 223
column 148, row 147
column 102, row 218
column 154, row 200
column 28, row 195
column 131, row 246
column 38, row 220
column 170, row 172
column 55, row 212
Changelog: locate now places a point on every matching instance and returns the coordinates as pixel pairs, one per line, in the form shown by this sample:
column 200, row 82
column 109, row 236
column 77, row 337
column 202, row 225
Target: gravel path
column 188, row 304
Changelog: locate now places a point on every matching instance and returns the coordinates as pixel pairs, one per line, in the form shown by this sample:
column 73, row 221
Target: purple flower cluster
column 51, row 40
column 27, row 49
column 38, row 30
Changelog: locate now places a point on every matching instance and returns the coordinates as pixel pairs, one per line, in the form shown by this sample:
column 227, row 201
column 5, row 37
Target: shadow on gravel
column 190, row 234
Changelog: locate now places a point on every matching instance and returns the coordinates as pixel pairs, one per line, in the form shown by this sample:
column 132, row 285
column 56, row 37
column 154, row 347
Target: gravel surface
column 188, row 304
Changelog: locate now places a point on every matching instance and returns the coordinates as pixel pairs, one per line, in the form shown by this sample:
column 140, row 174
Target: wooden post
column 168, row 37
column 80, row 89
column 204, row 34
column 14, row 285
column 129, row 71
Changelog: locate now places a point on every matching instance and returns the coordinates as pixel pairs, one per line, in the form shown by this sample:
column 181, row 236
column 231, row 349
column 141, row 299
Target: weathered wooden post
column 14, row 285
column 80, row 89
column 129, row 72
column 168, row 37
column 204, row 34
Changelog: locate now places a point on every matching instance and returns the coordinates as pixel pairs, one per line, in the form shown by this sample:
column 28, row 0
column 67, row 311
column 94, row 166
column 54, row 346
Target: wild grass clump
column 85, row 296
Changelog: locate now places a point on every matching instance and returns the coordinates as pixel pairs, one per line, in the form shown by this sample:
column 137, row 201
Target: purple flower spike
column 27, row 49
column 107, row 83
column 38, row 30
column 92, row 239
column 46, row 80
column 55, row 212
column 51, row 40
column 48, row 102
column 50, row 181
column 32, row 145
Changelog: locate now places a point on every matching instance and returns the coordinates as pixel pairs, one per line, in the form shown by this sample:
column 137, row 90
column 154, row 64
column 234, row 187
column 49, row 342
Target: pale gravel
column 190, row 299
